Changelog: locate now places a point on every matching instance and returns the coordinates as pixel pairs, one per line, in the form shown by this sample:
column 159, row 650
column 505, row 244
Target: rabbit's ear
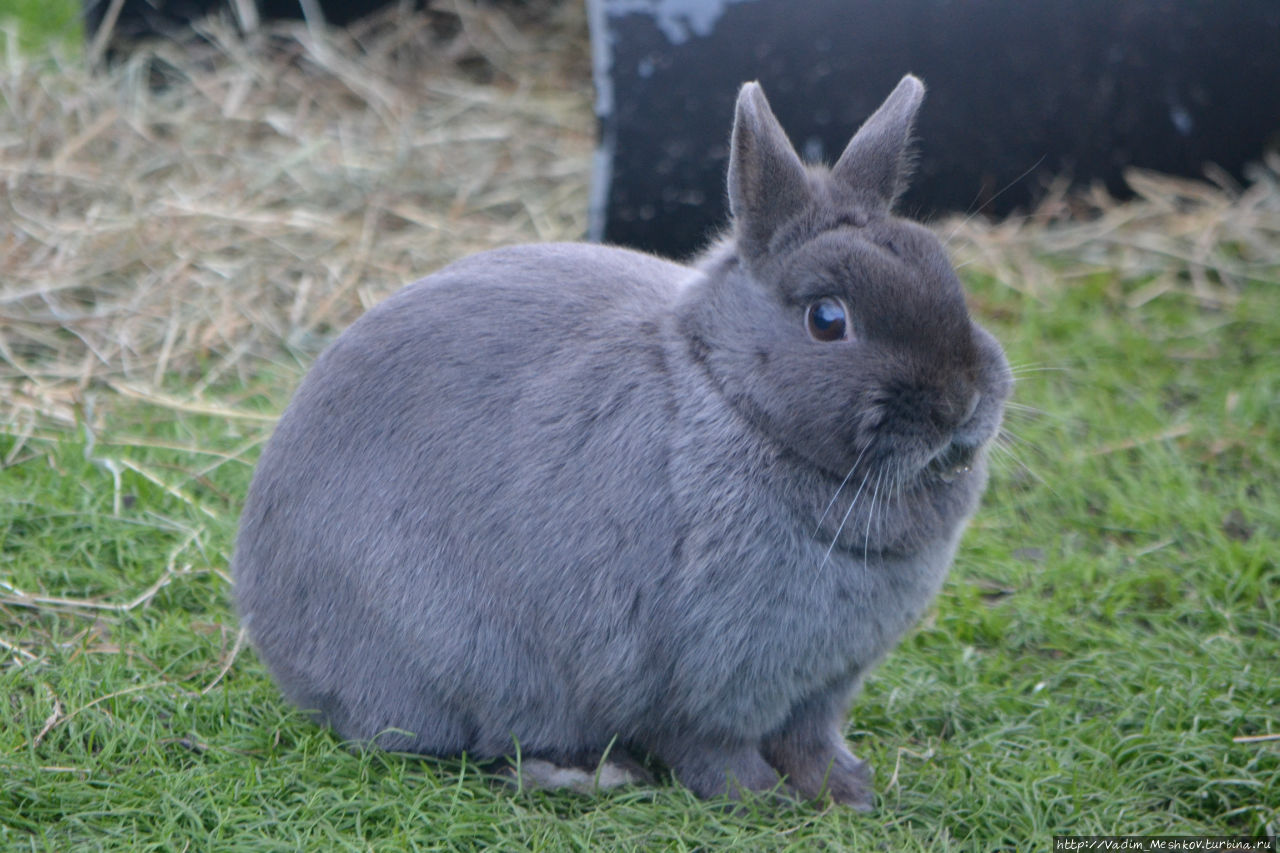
column 767, row 182
column 876, row 159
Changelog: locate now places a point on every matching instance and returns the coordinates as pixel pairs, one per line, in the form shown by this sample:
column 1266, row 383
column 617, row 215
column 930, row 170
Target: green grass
column 1111, row 625
column 36, row 25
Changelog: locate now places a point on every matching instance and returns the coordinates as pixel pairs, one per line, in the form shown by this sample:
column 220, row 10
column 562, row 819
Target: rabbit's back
column 413, row 539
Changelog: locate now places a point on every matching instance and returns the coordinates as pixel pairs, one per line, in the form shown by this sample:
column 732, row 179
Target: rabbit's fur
column 553, row 498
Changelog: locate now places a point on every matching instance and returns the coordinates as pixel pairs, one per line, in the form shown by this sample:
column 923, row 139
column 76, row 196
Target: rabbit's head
column 838, row 329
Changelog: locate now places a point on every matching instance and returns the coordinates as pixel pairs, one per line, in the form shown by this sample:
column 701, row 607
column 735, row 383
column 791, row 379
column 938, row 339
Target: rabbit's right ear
column 767, row 182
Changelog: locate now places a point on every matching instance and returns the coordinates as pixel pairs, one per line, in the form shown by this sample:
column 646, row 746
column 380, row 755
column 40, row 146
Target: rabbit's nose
column 956, row 413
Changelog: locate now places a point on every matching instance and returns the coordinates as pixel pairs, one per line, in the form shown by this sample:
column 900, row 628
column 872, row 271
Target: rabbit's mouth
column 955, row 460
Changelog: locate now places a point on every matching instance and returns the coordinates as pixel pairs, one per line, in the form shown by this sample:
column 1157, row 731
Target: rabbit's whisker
column 1022, row 413
column 866, row 542
column 1007, row 187
column 852, row 503
column 1007, row 438
column 1017, row 366
column 840, row 488
column 1023, row 371
column 1003, row 447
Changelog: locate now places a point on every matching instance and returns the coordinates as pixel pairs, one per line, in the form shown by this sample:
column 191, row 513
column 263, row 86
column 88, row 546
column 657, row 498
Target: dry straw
column 179, row 217
column 172, row 219
column 1203, row 238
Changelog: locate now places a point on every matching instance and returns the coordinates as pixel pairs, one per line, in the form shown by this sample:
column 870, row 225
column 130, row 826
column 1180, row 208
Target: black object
column 139, row 18
column 1018, row 92
column 142, row 18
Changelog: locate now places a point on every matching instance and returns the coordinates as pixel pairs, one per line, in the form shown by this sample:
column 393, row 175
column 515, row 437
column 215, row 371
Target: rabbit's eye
column 827, row 320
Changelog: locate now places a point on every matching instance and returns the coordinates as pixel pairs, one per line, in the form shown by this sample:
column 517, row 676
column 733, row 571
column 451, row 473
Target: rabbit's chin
column 899, row 507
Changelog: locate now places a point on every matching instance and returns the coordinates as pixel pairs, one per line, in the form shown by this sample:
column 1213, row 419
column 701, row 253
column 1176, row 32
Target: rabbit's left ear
column 767, row 182
column 876, row 160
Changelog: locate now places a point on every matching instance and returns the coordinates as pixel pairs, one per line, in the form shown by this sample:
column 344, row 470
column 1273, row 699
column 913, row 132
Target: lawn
column 36, row 26
column 182, row 233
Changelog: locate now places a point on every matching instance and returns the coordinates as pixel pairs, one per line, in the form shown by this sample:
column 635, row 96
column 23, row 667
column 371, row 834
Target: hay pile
column 207, row 204
column 1203, row 238
column 176, row 219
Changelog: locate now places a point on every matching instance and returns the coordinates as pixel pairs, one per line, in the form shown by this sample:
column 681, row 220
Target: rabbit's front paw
column 718, row 772
column 833, row 772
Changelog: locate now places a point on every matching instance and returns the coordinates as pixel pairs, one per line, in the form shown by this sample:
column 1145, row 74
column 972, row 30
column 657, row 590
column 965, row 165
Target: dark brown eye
column 827, row 319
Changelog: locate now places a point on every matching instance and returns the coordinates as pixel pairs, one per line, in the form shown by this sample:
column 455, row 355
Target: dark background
column 1018, row 91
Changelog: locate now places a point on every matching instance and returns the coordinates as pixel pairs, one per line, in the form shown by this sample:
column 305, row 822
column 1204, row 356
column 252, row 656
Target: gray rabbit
column 566, row 499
